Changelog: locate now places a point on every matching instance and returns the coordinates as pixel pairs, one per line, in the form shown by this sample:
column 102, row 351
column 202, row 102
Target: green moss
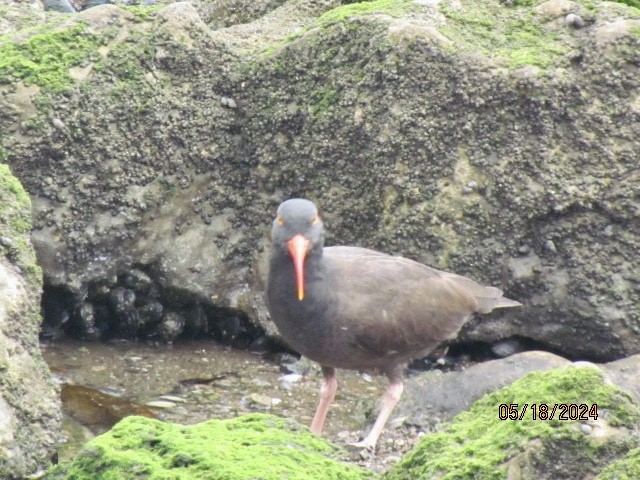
column 477, row 444
column 627, row 468
column 394, row 8
column 14, row 201
column 249, row 447
column 515, row 34
column 143, row 12
column 44, row 58
column 15, row 223
column 631, row 3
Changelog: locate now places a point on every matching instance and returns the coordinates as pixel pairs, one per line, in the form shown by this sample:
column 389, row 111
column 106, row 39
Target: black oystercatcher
column 349, row 307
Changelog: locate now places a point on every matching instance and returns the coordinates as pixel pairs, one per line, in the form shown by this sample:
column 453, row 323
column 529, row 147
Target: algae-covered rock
column 252, row 446
column 29, row 405
column 567, row 423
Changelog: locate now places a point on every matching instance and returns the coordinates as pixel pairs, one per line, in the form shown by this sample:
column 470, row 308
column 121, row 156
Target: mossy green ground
column 15, row 222
column 45, row 56
column 477, row 444
column 516, row 34
column 627, row 468
column 42, row 55
column 254, row 446
column 388, row 7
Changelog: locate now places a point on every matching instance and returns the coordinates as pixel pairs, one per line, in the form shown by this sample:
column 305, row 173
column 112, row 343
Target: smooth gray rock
column 434, row 396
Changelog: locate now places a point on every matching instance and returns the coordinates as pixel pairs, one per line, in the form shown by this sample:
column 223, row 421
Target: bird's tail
column 493, row 299
column 488, row 298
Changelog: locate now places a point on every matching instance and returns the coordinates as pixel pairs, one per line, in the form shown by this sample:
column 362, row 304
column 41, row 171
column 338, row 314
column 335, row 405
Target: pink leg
column 389, row 400
column 327, row 392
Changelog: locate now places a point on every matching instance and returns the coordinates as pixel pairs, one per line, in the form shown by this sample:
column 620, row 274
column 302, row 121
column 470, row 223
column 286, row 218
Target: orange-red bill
column 298, row 246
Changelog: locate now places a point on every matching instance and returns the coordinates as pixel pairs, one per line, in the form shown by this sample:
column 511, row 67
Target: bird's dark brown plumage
column 362, row 309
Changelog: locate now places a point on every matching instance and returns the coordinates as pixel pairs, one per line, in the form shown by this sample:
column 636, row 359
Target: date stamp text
column 544, row 411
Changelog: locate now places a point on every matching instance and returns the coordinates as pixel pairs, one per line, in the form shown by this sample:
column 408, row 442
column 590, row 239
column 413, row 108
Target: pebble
column 257, row 399
column 549, row 246
column 608, row 231
column 7, row 242
column 524, row 249
column 228, row 102
column 173, row 398
column 586, row 428
column 59, row 124
column 289, row 379
column 508, row 347
column 574, row 20
column 161, row 404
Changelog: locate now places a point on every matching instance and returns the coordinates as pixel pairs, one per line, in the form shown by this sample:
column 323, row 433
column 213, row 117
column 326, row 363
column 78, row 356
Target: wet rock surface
column 166, row 140
column 29, row 405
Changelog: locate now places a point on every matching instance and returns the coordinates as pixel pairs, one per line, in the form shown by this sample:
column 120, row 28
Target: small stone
column 171, row 326
column 257, row 399
column 586, row 428
column 228, row 102
column 524, row 249
column 473, row 185
column 160, row 404
column 365, row 454
column 137, row 280
column 574, row 20
column 56, row 122
column 466, row 189
column 7, row 242
column 173, row 398
column 549, row 246
column 608, row 231
column 301, row 366
column 506, row 348
column 289, row 379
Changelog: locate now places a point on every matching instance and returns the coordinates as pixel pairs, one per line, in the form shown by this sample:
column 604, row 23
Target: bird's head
column 297, row 229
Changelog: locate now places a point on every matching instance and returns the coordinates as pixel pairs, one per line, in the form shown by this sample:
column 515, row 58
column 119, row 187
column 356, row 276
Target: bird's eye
column 279, row 220
column 315, row 219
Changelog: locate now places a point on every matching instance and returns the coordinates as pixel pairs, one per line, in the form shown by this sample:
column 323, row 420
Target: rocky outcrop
column 563, row 424
column 29, row 405
column 432, row 397
column 495, row 139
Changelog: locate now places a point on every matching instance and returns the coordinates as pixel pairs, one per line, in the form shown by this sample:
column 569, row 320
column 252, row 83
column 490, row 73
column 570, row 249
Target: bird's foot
column 365, row 444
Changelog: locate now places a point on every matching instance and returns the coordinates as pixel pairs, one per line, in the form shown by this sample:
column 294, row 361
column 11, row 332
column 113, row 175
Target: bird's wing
column 393, row 304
